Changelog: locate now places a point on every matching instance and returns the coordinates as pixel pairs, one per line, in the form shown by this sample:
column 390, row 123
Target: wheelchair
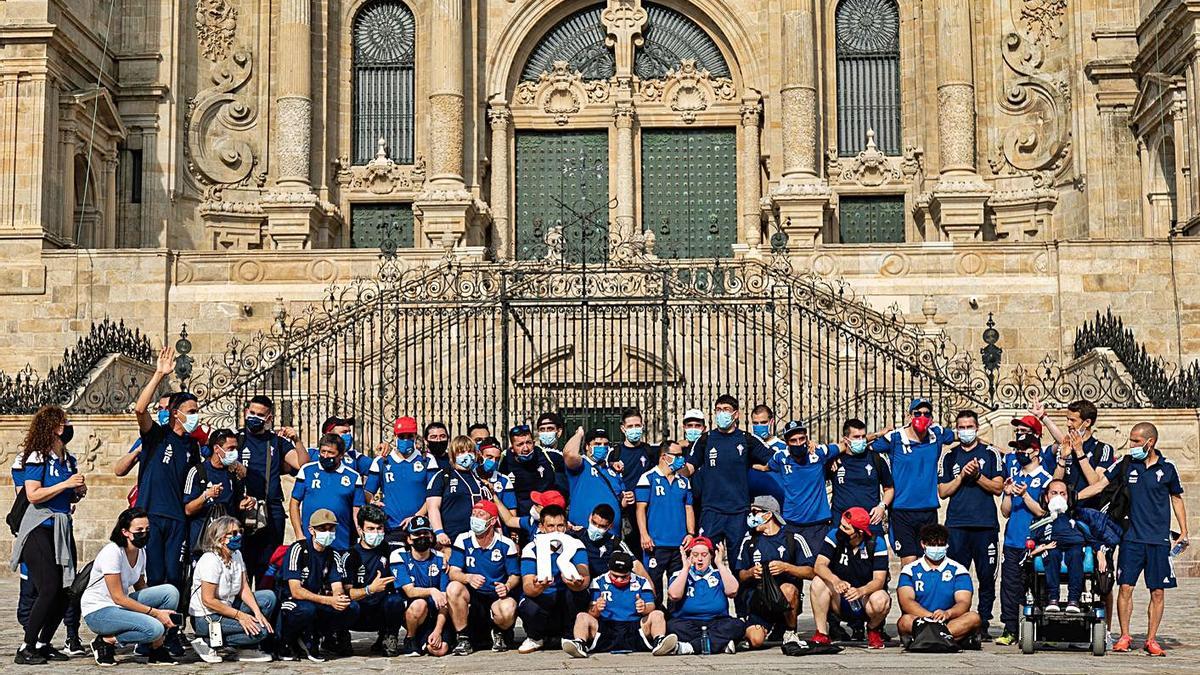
column 1040, row 626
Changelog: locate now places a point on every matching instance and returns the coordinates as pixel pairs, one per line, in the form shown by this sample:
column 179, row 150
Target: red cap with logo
column 489, row 507
column 701, row 541
column 548, row 498
column 858, row 518
column 405, row 425
column 1031, row 422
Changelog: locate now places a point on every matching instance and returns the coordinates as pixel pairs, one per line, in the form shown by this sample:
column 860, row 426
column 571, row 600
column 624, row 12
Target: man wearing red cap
column 398, row 479
column 851, row 578
column 484, row 573
column 702, row 590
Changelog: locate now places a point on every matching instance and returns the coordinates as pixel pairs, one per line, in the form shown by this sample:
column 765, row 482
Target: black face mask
column 140, row 539
column 1023, row 440
column 1026, row 458
column 67, row 434
column 255, row 424
column 437, row 448
column 329, row 463
column 422, row 544
column 798, row 450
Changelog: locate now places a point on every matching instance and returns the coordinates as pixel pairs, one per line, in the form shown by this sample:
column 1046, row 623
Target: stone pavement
column 1181, row 637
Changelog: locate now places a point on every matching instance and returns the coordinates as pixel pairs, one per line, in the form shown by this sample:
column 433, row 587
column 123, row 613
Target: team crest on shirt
column 433, row 570
column 345, row 481
column 541, row 472
column 812, row 458
column 782, row 551
column 947, row 575
column 454, row 485
column 1159, row 474
column 1133, row 476
column 653, row 563
column 418, row 467
column 635, row 585
column 1035, row 483
column 497, row 556
column 741, row 449
column 712, row 580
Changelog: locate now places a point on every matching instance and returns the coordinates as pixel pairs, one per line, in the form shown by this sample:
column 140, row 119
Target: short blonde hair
column 461, row 445
column 214, row 533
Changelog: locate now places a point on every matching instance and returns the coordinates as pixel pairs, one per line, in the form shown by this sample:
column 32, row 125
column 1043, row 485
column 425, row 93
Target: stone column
column 67, row 198
column 109, row 214
column 960, row 195
column 751, row 174
column 623, row 116
column 293, row 106
column 499, row 117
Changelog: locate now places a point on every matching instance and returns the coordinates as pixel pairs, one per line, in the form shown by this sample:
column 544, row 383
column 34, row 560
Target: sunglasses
column 519, row 430
column 922, row 413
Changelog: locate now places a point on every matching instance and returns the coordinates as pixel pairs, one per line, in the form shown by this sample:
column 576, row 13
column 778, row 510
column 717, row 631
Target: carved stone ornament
column 688, row 91
column 220, row 150
column 382, row 176
column 216, row 23
column 872, row 168
column 562, row 93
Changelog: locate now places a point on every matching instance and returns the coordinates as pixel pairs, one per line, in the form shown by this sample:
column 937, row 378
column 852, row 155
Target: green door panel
column 689, row 191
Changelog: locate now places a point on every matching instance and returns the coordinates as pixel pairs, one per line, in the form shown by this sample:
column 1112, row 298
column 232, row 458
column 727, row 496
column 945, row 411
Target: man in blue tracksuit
column 970, row 477
column 801, row 471
column 717, row 463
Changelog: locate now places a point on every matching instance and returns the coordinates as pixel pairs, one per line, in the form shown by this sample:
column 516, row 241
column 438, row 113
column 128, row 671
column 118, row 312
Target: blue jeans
column 1053, row 562
column 135, row 628
column 235, row 635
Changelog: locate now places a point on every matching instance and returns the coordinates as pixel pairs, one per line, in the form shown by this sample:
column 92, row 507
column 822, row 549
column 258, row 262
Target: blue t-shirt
column 766, row 482
column 165, row 459
column 705, row 597
column 858, row 480
column 621, row 603
column 315, row 570
column 1100, row 455
column 1020, row 518
column 666, row 503
column 598, row 551
column 538, row 473
column 50, row 472
column 403, row 482
column 757, row 547
column 335, row 490
column 856, row 565
column 720, row 461
column 194, row 486
column 495, row 562
column 352, row 458
column 635, row 461
column 914, row 466
column 805, row 501
column 1150, row 491
column 971, row 505
column 254, row 454
column 459, row 490
column 428, row 573
column 18, row 476
column 935, row 587
column 592, row 484
column 529, row 566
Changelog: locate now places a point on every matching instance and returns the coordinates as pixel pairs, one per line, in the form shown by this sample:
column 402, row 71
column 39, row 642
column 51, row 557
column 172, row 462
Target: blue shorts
column 813, row 538
column 905, row 527
column 1154, row 560
column 848, row 614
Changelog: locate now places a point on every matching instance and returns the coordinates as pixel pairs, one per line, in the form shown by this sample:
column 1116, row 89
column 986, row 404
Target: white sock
column 684, row 648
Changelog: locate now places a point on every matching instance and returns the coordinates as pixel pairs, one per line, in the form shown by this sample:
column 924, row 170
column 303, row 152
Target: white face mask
column 1058, row 504
column 325, row 538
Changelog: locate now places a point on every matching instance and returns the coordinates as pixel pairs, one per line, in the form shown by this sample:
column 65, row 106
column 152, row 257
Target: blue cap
column 918, row 402
column 792, row 427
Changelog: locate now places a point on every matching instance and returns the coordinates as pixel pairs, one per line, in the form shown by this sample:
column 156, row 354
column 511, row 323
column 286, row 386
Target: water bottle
column 705, row 643
column 216, row 638
column 856, row 606
column 1178, row 548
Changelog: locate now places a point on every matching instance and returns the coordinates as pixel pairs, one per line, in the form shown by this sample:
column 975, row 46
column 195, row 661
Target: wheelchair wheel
column 1099, row 646
column 1026, row 632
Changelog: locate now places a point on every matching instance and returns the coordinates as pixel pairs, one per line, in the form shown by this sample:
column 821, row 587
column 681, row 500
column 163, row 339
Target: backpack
column 806, row 648
column 17, row 512
column 1115, row 495
column 932, row 637
column 276, row 564
column 81, row 583
column 768, row 600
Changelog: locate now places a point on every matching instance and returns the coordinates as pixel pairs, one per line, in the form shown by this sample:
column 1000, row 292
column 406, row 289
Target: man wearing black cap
column 549, row 430
column 353, row 457
column 423, row 578
column 622, row 617
column 592, row 478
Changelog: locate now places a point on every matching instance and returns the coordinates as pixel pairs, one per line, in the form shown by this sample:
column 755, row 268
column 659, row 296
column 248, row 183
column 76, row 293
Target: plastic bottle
column 1178, row 548
column 855, row 605
column 705, row 643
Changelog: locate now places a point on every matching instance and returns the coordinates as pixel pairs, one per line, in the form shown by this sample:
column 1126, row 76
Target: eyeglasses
column 519, row 430
column 922, row 413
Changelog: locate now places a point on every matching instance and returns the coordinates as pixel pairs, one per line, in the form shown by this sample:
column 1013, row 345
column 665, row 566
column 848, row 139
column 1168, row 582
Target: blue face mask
column 465, row 461
column 523, row 458
column 348, row 440
column 547, row 438
column 600, row 452
column 405, row 446
column 489, row 465
column 677, row 463
column 255, row 424
column 235, row 543
column 633, row 434
column 858, row 445
column 372, row 539
column 935, row 553
column 763, row 431
column 692, row 435
column 754, row 520
column 479, row 525
column 724, row 419
column 164, row 417
column 1139, row 452
column 595, row 533
column 229, row 458
column 190, row 422
column 325, row 538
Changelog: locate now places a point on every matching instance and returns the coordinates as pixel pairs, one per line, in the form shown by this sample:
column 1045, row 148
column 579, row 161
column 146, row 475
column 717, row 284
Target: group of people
column 594, row 541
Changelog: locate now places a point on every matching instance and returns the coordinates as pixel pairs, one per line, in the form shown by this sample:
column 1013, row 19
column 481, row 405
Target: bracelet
column 439, row 532
column 368, row 590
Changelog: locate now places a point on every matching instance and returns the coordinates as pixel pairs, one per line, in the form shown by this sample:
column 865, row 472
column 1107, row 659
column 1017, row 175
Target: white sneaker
column 575, row 648
column 684, row 648
column 1053, row 606
column 529, row 646
column 665, row 645
column 251, row 655
column 730, row 649
column 790, row 636
column 206, row 653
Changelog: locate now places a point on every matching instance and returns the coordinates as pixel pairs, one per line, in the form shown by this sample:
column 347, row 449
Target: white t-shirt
column 110, row 560
column 228, row 579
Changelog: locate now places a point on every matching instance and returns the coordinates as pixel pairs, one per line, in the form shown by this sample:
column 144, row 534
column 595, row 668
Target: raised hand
column 166, row 361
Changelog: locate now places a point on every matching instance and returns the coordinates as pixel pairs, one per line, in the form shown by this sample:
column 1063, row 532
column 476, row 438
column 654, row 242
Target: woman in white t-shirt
column 220, row 587
column 114, row 613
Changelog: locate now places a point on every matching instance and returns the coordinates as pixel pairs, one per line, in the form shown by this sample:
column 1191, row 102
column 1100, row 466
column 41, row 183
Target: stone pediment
column 563, row 368
column 84, row 102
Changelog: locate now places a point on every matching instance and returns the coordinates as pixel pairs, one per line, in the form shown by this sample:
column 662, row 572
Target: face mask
column 921, row 425
column 692, row 435
column 67, row 434
column 595, row 533
column 547, row 438
column 762, row 430
column 255, row 424
column 234, row 543
column 324, row 538
column 405, row 446
column 523, row 458
column 372, row 539
column 164, row 417
column 619, row 583
column 190, row 422
column 967, row 436
column 329, row 463
column 465, row 461
column 600, row 452
column 1026, row 458
column 1058, row 504
column 489, row 465
column 935, row 553
column 437, row 448
column 677, row 463
column 479, row 525
column 1138, row 452
column 140, row 539
column 797, row 450
column 1022, row 440
column 724, row 419
column 754, row 520
column 858, row 446
column 633, row 434
column 348, row 441
column 422, row 544
column 229, row 458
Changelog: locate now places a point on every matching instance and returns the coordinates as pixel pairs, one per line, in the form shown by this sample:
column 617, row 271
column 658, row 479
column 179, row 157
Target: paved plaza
column 1181, row 637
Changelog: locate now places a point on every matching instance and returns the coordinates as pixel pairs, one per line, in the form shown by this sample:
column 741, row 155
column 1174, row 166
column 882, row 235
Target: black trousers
column 548, row 616
column 1012, row 588
column 25, row 606
column 50, row 605
column 258, row 547
column 661, row 563
column 721, row 631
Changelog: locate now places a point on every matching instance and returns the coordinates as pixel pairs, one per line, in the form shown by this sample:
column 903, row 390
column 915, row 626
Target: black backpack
column 932, row 637
column 768, row 600
column 17, row 512
column 1115, row 495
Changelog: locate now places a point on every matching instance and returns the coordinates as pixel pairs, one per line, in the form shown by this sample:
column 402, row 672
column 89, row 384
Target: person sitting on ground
column 622, row 617
column 421, row 575
column 484, row 573
column 851, row 578
column 935, row 587
column 371, row 583
column 701, row 591
column 314, row 600
column 768, row 548
column 221, row 593
column 549, row 605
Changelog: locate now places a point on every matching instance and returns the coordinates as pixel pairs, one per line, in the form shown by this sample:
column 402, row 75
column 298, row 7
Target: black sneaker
column 74, row 647
column 837, row 633
column 377, row 645
column 576, row 648
column 970, row 642
column 463, row 647
column 343, row 645
column 174, row 644
column 311, row 651
column 391, row 644
column 105, row 654
column 52, row 654
column 29, row 657
column 498, row 643
column 858, row 633
column 409, row 648
column 162, row 656
column 287, row 651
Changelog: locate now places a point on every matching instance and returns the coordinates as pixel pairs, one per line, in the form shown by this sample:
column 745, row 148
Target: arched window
column 672, row 37
column 578, row 40
column 384, row 47
column 868, row 75
column 1166, row 167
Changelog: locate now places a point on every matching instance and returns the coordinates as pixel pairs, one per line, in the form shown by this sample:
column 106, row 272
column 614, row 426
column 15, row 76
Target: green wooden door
column 871, row 220
column 562, row 179
column 689, row 191
column 373, row 225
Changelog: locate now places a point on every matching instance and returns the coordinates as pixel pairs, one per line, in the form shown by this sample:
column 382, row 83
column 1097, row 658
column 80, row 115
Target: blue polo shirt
column 805, row 501
column 352, row 458
column 856, row 565
column 428, row 573
column 705, row 596
column 621, row 603
column 459, row 490
column 914, row 466
column 666, row 503
column 858, row 480
column 165, row 458
column 593, row 484
column 935, row 586
column 598, row 551
column 1020, row 518
column 51, row 471
column 635, row 461
column 529, row 566
column 335, row 490
column 761, row 548
column 971, row 505
column 502, row 485
column 316, row 570
column 766, row 482
column 363, row 564
column 1150, row 491
column 254, row 454
column 720, row 460
column 494, row 562
column 403, row 482
column 1100, row 455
